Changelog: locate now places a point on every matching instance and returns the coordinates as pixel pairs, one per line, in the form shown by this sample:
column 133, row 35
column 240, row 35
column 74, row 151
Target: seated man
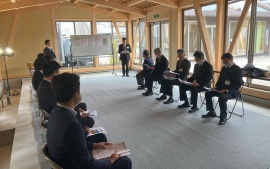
column 158, row 69
column 47, row 102
column 182, row 70
column 38, row 75
column 201, row 77
column 65, row 137
column 145, row 72
column 226, row 88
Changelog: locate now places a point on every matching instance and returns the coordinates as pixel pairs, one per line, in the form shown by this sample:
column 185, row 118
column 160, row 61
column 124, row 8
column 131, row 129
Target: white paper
column 84, row 41
column 96, row 130
column 210, row 89
column 169, row 72
column 185, row 82
column 105, row 153
column 92, row 112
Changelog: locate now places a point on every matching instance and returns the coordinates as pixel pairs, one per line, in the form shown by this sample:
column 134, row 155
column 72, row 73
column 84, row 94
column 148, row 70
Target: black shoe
column 170, row 100
column 222, row 122
column 127, row 75
column 209, row 114
column 145, row 92
column 148, row 93
column 193, row 109
column 123, row 76
column 140, row 87
column 163, row 97
column 185, row 105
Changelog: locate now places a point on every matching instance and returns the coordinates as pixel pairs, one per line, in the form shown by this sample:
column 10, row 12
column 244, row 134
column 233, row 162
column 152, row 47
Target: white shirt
column 70, row 109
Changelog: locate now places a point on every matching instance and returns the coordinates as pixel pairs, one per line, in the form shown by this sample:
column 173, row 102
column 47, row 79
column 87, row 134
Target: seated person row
column 182, row 70
column 66, row 142
column 47, row 101
column 160, row 66
column 201, row 77
column 140, row 76
column 38, row 74
column 227, row 86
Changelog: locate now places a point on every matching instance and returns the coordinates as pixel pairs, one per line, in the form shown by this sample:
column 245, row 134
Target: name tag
column 180, row 69
column 227, row 82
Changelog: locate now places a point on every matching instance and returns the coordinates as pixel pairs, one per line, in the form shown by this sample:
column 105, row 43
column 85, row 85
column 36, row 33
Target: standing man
column 124, row 50
column 48, row 50
column 158, row 69
column 226, row 88
column 201, row 77
column 182, row 70
column 140, row 76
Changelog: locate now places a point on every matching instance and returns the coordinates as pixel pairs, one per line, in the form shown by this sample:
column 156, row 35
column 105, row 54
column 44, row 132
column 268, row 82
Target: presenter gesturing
column 124, row 50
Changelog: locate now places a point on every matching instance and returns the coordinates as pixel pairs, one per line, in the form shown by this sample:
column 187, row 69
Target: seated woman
column 145, row 71
column 38, row 75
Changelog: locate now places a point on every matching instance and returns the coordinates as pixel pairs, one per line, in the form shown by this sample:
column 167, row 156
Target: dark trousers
column 222, row 100
column 98, row 138
column 150, row 79
column 194, row 93
column 167, row 86
column 122, row 163
column 87, row 121
column 140, row 78
column 125, row 69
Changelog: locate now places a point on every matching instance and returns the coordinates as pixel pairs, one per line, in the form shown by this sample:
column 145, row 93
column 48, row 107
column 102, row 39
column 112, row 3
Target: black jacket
column 234, row 76
column 148, row 61
column 49, row 52
column 37, row 78
column 203, row 74
column 161, row 65
column 182, row 69
column 67, row 144
column 124, row 57
column 46, row 99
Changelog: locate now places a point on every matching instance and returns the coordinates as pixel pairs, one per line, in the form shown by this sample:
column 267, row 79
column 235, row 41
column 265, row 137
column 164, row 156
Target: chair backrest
column 53, row 164
column 44, row 113
column 43, row 125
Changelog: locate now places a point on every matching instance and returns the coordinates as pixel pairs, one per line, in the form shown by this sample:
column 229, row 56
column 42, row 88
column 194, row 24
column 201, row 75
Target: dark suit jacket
column 49, row 52
column 36, row 79
column 182, row 69
column 46, row 99
column 148, row 61
column 234, row 75
column 66, row 142
column 202, row 75
column 124, row 57
column 161, row 65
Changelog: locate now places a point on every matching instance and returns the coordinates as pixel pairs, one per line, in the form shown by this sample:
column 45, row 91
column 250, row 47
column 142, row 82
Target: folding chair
column 155, row 86
column 46, row 155
column 44, row 115
column 239, row 98
column 43, row 125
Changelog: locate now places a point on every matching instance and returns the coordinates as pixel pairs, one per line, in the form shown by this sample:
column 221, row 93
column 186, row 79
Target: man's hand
column 102, row 145
column 223, row 91
column 83, row 113
column 114, row 157
column 87, row 129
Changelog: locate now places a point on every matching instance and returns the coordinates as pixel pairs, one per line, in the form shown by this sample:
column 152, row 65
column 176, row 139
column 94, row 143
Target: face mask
column 226, row 65
column 198, row 62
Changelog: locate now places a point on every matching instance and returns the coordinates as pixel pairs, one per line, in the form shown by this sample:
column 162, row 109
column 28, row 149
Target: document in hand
column 185, row 82
column 210, row 89
column 92, row 112
column 170, row 72
column 96, row 130
column 120, row 148
column 125, row 52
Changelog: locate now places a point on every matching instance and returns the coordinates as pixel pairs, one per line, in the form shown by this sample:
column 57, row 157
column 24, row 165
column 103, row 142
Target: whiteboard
column 91, row 45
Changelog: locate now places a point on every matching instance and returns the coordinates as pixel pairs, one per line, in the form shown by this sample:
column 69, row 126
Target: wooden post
column 55, row 39
column 94, row 31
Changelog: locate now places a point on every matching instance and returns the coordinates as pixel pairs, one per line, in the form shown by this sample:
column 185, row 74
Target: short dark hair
column 48, row 57
column 181, row 51
column 124, row 38
column 50, row 67
column 146, row 52
column 39, row 62
column 198, row 54
column 65, row 86
column 47, row 41
column 40, row 55
column 227, row 56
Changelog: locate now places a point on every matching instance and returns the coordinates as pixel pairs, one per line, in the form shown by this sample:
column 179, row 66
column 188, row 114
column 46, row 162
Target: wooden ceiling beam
column 134, row 2
column 168, row 3
column 118, row 6
column 26, row 4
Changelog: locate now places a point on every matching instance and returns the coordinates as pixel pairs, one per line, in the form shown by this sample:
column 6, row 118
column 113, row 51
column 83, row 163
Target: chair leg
column 155, row 87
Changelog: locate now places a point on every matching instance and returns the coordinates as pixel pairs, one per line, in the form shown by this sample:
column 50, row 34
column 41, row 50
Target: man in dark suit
column 38, row 75
column 48, row 102
column 201, row 77
column 65, row 137
column 226, row 88
column 48, row 50
column 182, row 70
column 124, row 50
column 145, row 71
column 158, row 69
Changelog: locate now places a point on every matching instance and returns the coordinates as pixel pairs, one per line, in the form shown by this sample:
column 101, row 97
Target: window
column 64, row 30
column 140, row 39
